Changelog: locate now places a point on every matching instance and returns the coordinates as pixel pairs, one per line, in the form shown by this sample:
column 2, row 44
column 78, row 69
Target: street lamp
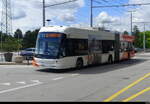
column 48, row 20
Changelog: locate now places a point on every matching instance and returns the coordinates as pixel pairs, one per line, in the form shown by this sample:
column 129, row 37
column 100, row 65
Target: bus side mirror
column 63, row 54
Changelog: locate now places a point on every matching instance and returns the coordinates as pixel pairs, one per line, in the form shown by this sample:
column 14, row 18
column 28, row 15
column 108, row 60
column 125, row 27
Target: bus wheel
column 110, row 60
column 79, row 64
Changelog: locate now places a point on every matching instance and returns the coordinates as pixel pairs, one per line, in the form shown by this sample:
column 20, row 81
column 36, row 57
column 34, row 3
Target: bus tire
column 110, row 60
column 79, row 63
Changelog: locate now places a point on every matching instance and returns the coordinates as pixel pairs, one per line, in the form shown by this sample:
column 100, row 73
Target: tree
column 147, row 39
column 3, row 39
column 3, row 36
column 139, row 40
column 138, row 37
column 126, row 32
column 136, row 31
column 29, row 39
column 18, row 34
column 10, row 44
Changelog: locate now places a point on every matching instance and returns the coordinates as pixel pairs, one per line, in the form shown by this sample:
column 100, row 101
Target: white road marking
column 36, row 81
column 75, row 74
column 6, row 84
column 21, row 82
column 22, row 87
column 58, row 78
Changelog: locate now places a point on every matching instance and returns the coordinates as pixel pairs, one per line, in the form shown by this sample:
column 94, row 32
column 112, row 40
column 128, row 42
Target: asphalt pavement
column 123, row 81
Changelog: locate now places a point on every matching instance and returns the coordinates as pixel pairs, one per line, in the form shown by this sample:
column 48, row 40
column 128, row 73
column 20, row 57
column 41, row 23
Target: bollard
column 27, row 58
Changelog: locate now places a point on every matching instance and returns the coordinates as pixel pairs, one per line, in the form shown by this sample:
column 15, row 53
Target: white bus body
column 78, row 47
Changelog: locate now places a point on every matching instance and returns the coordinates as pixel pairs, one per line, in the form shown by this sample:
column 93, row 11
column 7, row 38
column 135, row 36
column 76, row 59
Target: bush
column 10, row 45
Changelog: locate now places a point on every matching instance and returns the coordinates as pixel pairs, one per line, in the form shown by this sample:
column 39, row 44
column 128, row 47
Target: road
column 123, row 81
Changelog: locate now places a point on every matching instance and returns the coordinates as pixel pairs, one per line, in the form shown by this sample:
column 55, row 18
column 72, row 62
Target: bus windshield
column 48, row 45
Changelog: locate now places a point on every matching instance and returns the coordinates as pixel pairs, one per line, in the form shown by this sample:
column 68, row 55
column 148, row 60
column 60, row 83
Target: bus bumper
column 48, row 64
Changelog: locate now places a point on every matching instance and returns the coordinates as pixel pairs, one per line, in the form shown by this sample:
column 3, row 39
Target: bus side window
column 107, row 45
column 75, row 47
column 130, row 46
column 95, row 45
column 81, row 46
column 69, row 47
column 122, row 46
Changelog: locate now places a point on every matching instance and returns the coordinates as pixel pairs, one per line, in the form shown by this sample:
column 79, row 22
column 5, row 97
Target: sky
column 27, row 14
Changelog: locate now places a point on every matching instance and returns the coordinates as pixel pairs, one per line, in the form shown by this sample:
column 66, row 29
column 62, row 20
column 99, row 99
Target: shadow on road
column 98, row 68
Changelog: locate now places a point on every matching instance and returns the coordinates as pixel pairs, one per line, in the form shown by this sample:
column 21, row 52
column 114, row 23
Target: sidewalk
column 2, row 60
column 143, row 53
column 13, row 63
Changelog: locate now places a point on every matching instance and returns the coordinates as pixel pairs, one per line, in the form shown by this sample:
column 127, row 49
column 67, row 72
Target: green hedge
column 11, row 44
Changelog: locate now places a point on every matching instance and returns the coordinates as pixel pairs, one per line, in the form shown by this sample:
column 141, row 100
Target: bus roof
column 80, row 32
column 62, row 29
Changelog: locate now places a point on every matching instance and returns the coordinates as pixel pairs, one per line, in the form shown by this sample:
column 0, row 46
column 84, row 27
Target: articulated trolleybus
column 61, row 47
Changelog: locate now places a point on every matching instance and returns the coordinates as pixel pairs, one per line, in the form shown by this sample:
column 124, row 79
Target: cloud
column 27, row 14
column 68, row 17
column 122, row 23
column 19, row 14
column 103, row 17
column 105, row 20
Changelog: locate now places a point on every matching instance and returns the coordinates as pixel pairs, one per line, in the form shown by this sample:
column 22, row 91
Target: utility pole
column 131, row 20
column 91, row 18
column 144, row 42
column 1, row 38
column 6, row 17
column 6, row 20
column 43, row 13
column 131, row 23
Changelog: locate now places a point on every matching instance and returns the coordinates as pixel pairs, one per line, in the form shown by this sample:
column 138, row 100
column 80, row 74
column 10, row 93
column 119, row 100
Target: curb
column 13, row 63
